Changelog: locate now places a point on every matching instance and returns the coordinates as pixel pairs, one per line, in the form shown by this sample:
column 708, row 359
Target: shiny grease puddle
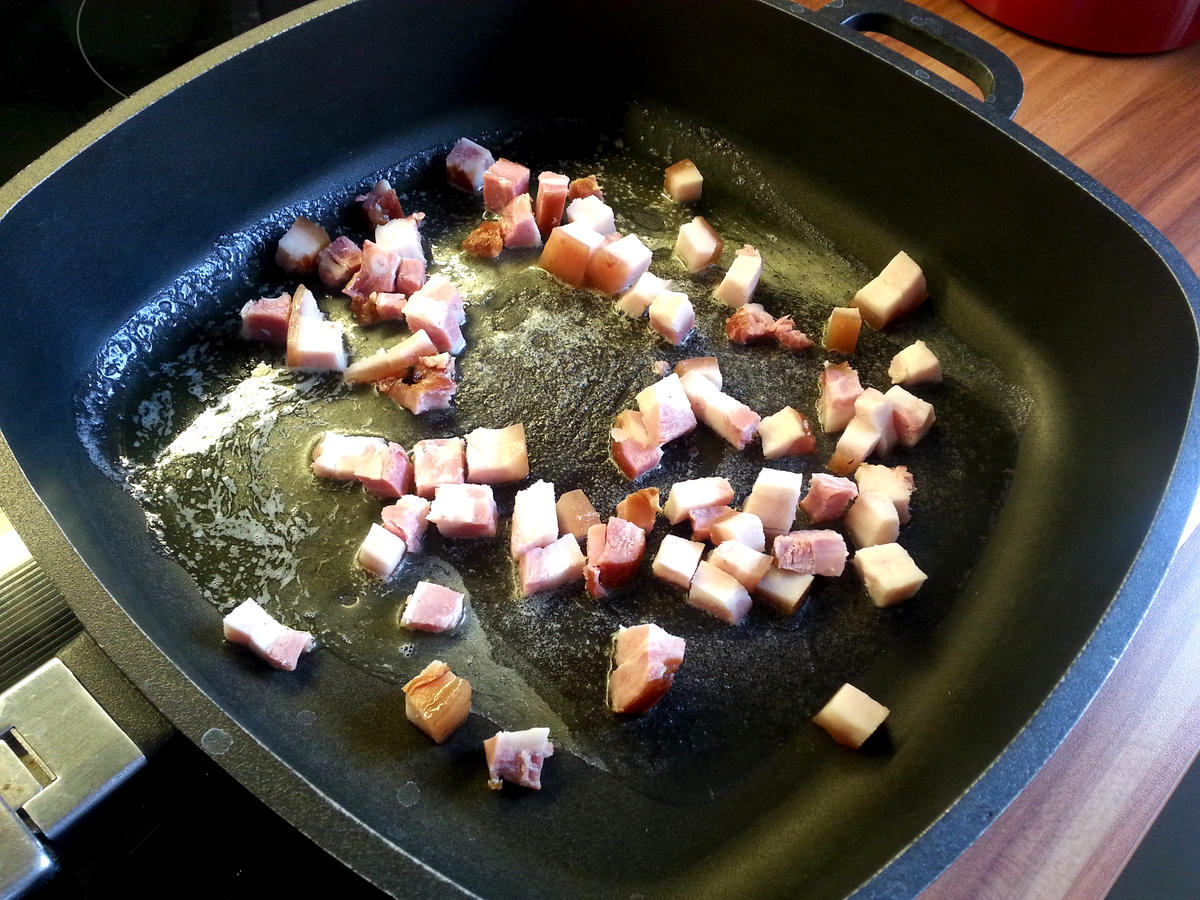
column 213, row 436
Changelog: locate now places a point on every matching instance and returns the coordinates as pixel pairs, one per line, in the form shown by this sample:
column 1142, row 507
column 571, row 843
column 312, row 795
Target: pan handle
column 971, row 56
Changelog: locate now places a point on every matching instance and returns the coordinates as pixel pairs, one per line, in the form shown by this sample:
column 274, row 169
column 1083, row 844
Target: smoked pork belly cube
column 872, row 520
column 638, row 298
column 556, row 564
column 744, row 563
column 402, row 237
column 698, row 245
column 786, row 334
column 497, row 455
column 438, row 461
column 841, row 329
column 641, row 508
column 551, row 201
column 895, row 481
column 851, row 716
column 431, row 385
column 915, row 364
column 708, row 366
column 517, row 756
column 876, row 409
column 408, row 518
column 666, row 412
column 695, row 493
column 266, row 319
column 442, row 289
column 719, row 594
column 301, row 245
column 380, row 204
column 731, row 419
column 534, row 519
column 702, row 520
column 615, row 550
column 811, row 552
column 337, row 455
column 615, row 266
column 502, row 183
column 313, row 343
column 576, row 514
column 856, row 443
column 912, row 416
column 676, row 560
column 378, row 306
column 518, row 226
column 827, row 498
column 376, row 272
column 427, row 312
column 432, row 607
column 392, row 362
column 385, row 471
column 410, row 277
column 337, row 262
column 682, row 182
column 464, row 510
column 486, row 241
column 743, row 527
column 840, row 387
column 253, row 627
column 784, row 591
column 568, row 250
column 672, row 316
column 737, row 287
column 381, row 551
column 437, row 701
column 889, row 573
column 645, row 660
column 774, row 498
column 584, row 187
column 897, row 290
column 750, row 323
column 592, row 212
column 465, row 164
column 786, row 433
column 632, row 450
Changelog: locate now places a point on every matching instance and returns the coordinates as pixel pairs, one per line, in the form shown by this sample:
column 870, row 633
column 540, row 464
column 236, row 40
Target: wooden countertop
column 1133, row 123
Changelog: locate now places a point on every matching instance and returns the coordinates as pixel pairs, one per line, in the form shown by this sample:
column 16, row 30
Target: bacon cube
column 438, row 461
column 897, row 290
column 737, row 287
column 708, row 366
column 433, row 608
column 534, row 519
column 502, row 183
column 380, row 204
column 556, row 564
column 464, row 510
column 896, row 482
column 431, row 385
column 376, row 272
column 877, row 410
column 731, row 419
column 497, row 455
column 519, row 227
column 786, row 433
column 568, row 250
column 851, row 716
column 410, row 276
column 828, row 496
column 425, row 311
column 401, row 237
column 408, row 518
column 576, row 514
column 466, row 163
column 839, row 388
column 551, row 201
column 743, row 527
column 811, row 552
column 744, row 563
column 615, row 266
column 774, row 498
column 672, row 316
column 337, row 455
column 698, row 245
column 645, row 660
column 858, row 441
column 912, row 416
column 784, row 591
column 677, row 560
column 682, row 182
column 585, row 187
column 638, row 298
column 517, row 756
column 385, row 471
column 703, row 518
column 915, row 364
column 437, row 701
column 381, row 552
column 486, row 241
column 841, row 329
column 301, row 245
column 889, row 573
column 719, row 594
column 392, row 362
column 266, row 319
column 873, row 520
column 695, row 493
column 312, row 342
column 593, row 212
column 615, row 551
column 666, row 412
column 632, row 449
column 641, row 508
column 339, row 261
column 253, row 627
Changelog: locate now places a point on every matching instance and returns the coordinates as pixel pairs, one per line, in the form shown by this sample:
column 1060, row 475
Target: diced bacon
column 787, row 335
column 744, row 563
column 437, row 701
column 497, row 455
column 672, row 316
column 503, row 182
column 694, row 494
column 682, row 182
column 737, row 287
column 378, row 306
column 301, row 245
column 912, row 416
column 872, row 520
column 592, row 212
column 811, row 552
column 464, row 510
column 719, row 594
column 698, row 245
column 615, row 266
column 385, row 471
column 784, row 591
column 517, row 756
column 518, row 225
column 534, row 519
column 251, row 626
column 426, row 311
column 576, row 514
column 632, row 450
column 442, row 289
column 641, row 508
column 851, row 716
column 876, row 409
column 638, row 298
column 896, row 482
column 750, row 323
column 839, row 387
column 827, row 498
column 438, row 461
column 743, row 527
column 466, row 163
column 380, row 204
column 585, row 187
column 431, row 385
column 408, row 518
column 615, row 551
column 677, row 560
column 381, row 552
column 841, row 330
column 340, row 260
column 266, row 319
column 410, row 277
column 392, row 362
column 556, row 564
column 568, row 250
column 731, row 419
column 915, row 364
column 897, row 290
column 889, row 573
column 486, row 241
column 774, row 498
column 376, row 274
column 312, row 342
column 401, row 237
column 432, row 607
column 337, row 455
column 645, row 660
column 856, row 443
column 666, row 412
column 708, row 366
column 551, row 201
column 703, row 518
column 786, row 433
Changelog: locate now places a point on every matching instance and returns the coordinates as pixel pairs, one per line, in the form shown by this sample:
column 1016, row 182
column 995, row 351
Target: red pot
column 1109, row 26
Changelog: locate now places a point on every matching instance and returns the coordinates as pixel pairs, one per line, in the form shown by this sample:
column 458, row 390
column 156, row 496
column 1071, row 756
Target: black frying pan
column 1038, row 576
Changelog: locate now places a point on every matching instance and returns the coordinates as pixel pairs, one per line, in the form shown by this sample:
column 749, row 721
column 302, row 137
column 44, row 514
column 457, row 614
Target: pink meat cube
column 641, row 508
column 301, row 245
column 534, row 519
column 896, row 482
column 828, row 496
column 743, row 527
column 432, row 607
column 875, row 408
column 897, row 290
column 266, row 319
column 408, row 518
column 376, row 273
column 731, row 419
column 635, row 301
column 784, row 591
column 890, row 574
column 464, row 510
column 912, row 416
column 694, row 494
column 381, row 552
column 337, row 455
column 708, row 366
column 672, row 316
column 392, row 362
column 774, row 498
column 666, row 412
column 593, row 212
column 811, row 552
column 556, row 564
column 786, row 433
column 842, row 329
column 466, row 163
column 744, row 563
column 576, row 514
column 312, row 342
column 873, row 520
column 385, row 471
column 339, row 261
column 632, row 450
column 497, row 455
column 518, row 226
column 502, row 183
column 410, row 276
column 380, row 204
column 750, row 323
column 857, row 442
column 840, row 387
column 517, row 756
column 645, row 660
column 682, row 182
column 719, row 594
column 402, row 237
column 915, row 364
column 702, row 520
column 615, row 551
column 438, row 461
column 615, row 266
column 698, row 245
column 737, row 287
column 568, row 250
column 430, row 385
column 551, row 201
column 251, row 626
column 676, row 560
column 424, row 311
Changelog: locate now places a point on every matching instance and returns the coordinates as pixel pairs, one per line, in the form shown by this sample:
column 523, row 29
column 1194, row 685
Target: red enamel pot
column 1107, row 26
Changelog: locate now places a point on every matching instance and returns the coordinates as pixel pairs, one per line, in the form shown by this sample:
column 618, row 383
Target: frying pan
column 1072, row 465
